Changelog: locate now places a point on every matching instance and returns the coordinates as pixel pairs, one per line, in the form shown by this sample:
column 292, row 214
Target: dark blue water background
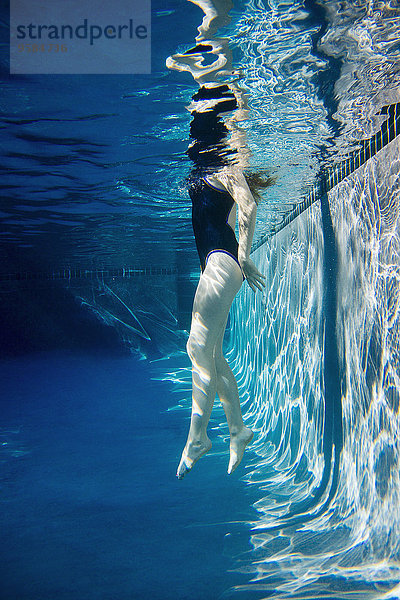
column 90, row 507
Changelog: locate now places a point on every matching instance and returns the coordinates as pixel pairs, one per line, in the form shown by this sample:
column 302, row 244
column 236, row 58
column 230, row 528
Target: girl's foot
column 237, row 447
column 191, row 454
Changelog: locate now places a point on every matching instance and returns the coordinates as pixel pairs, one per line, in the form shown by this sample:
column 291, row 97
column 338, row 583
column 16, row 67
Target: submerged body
column 217, row 188
column 225, row 263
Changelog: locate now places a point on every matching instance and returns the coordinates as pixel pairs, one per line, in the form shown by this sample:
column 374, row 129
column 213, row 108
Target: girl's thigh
column 217, row 288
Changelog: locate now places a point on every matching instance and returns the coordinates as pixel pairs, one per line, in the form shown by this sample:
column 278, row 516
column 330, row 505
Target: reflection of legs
column 228, row 393
column 217, row 288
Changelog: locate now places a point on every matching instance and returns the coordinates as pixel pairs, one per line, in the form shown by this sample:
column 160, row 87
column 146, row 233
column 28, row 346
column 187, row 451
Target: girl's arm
column 236, row 184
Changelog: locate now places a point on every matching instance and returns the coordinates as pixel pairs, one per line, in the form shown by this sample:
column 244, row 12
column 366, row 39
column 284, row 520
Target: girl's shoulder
column 215, row 183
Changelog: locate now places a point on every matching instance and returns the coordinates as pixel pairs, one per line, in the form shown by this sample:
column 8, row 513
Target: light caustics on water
column 317, row 356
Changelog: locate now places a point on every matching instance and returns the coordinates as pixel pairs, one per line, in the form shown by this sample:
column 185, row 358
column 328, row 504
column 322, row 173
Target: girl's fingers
column 255, row 278
column 255, row 285
column 259, row 280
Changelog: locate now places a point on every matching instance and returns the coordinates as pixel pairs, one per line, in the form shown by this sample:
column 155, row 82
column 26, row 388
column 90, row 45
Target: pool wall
column 317, row 358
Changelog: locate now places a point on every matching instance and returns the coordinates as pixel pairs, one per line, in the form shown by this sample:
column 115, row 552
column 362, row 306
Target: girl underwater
column 219, row 189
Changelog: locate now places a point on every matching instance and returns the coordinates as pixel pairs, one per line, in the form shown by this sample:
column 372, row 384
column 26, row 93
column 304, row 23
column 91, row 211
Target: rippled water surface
column 84, row 157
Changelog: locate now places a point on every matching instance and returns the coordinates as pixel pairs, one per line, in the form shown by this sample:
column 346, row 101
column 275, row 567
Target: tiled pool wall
column 277, row 347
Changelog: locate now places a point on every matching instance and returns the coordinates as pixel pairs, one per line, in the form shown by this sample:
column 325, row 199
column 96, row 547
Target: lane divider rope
column 70, row 274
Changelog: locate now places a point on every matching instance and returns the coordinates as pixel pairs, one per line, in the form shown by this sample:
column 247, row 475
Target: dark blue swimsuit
column 210, row 212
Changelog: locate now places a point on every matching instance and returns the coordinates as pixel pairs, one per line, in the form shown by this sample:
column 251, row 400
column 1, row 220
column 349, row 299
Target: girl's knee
column 197, row 350
column 190, row 347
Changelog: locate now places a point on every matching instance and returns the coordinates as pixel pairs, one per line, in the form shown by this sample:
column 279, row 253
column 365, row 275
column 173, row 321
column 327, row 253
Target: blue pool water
column 97, row 274
column 90, row 504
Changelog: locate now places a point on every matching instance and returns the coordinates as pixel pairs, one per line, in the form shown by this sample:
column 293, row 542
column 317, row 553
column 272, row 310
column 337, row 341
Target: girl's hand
column 255, row 279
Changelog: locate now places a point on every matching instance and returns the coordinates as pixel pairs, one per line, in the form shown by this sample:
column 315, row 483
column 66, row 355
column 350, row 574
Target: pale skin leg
column 215, row 293
column 228, row 393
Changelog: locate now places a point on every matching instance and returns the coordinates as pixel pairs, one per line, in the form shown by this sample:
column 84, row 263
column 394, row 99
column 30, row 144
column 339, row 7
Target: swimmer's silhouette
column 217, row 186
